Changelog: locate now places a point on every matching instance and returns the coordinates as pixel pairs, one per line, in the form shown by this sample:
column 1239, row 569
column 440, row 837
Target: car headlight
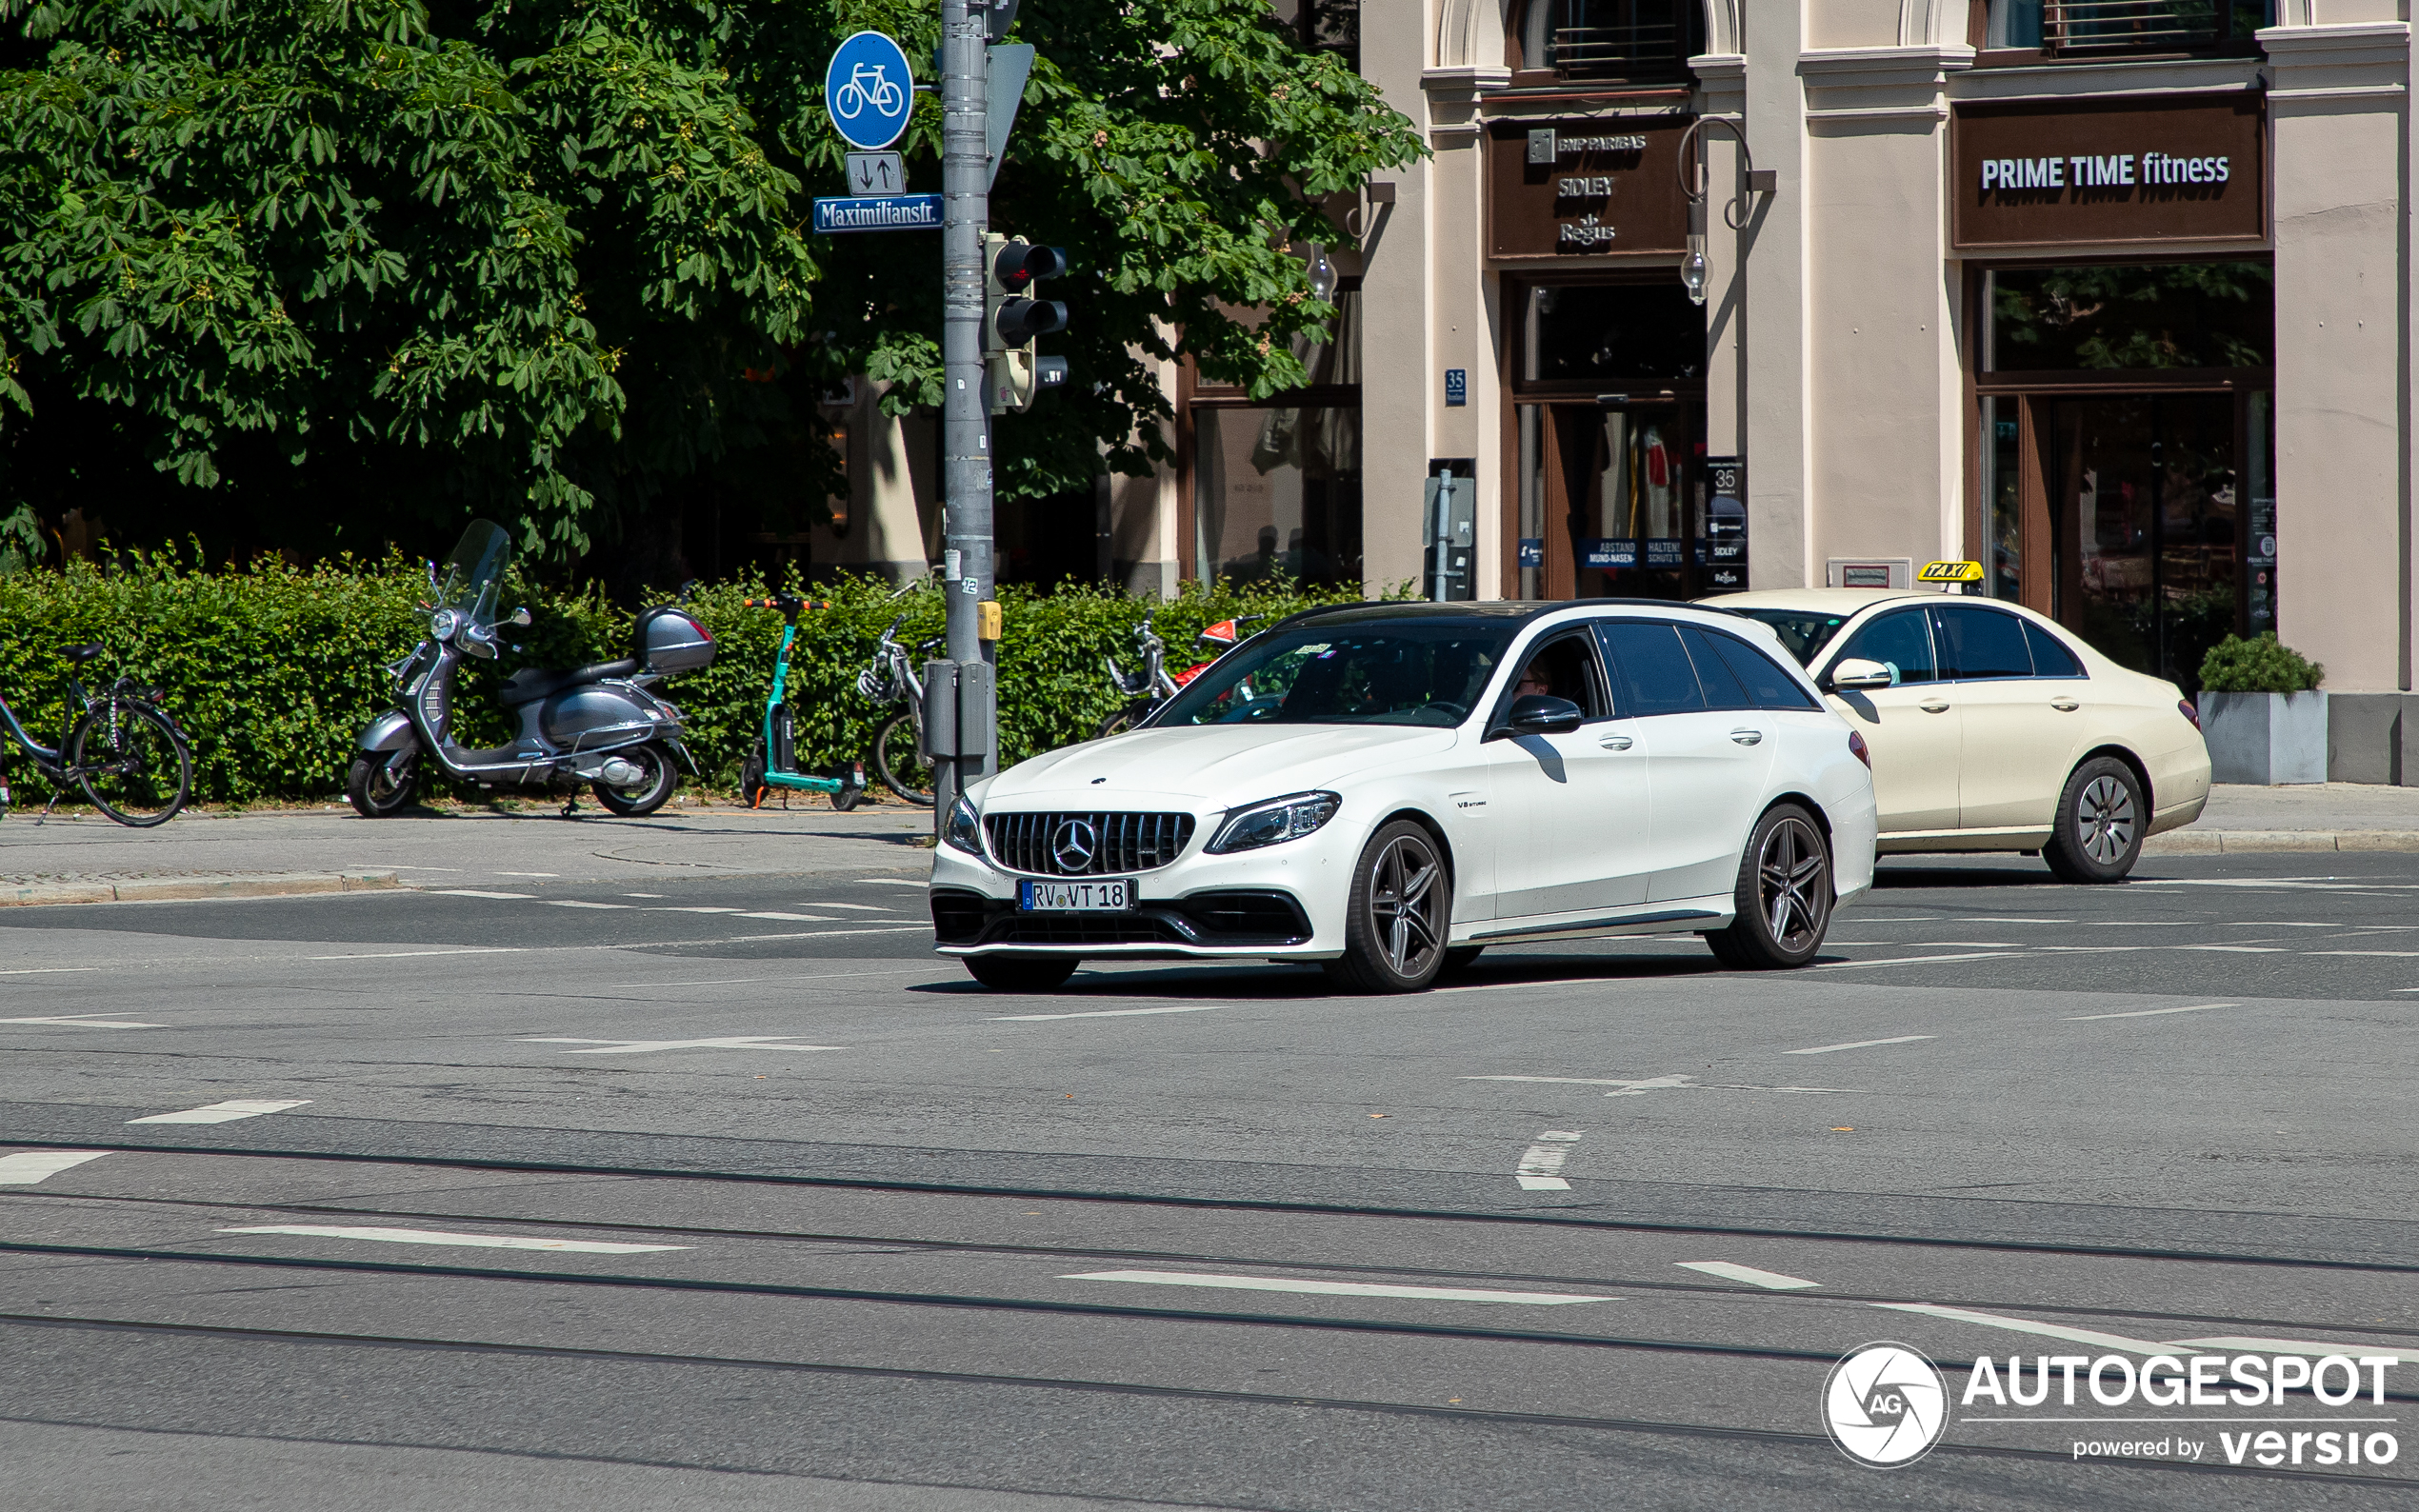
column 1274, row 823
column 964, row 830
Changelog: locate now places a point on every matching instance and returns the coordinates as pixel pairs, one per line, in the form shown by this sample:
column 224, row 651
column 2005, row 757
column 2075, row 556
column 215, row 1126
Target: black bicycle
column 124, row 751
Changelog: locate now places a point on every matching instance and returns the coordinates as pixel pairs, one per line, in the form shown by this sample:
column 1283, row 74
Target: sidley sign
column 2183, row 169
column 1557, row 189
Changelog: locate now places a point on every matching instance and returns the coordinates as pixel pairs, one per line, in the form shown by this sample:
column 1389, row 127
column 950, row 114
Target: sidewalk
column 257, row 854
column 2328, row 816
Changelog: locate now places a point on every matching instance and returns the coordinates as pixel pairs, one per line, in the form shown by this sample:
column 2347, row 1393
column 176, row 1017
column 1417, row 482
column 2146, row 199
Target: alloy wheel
column 1403, row 904
column 2103, row 813
column 1793, row 884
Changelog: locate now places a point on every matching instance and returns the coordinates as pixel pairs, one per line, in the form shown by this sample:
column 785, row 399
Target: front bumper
column 1285, row 900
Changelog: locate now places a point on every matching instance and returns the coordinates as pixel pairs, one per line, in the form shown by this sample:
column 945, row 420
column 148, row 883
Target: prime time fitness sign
column 2044, row 174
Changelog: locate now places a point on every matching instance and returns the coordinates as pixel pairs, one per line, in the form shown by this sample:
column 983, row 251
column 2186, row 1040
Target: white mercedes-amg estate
column 1389, row 788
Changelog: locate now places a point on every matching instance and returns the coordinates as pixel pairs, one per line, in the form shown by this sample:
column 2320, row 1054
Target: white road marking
column 85, row 1020
column 24, row 1170
column 473, row 893
column 860, row 908
column 1335, row 1289
column 399, row 955
column 1860, row 1045
column 575, row 903
column 2361, row 952
column 1097, row 1013
column 43, row 971
column 1768, row 1279
column 732, row 981
column 1656, row 1082
column 2026, row 1326
column 642, row 895
column 750, row 1042
column 426, row 1236
column 1653, row 1083
column 682, row 908
column 2246, row 950
column 528, row 874
column 2149, row 1013
column 893, row 882
column 1574, row 1081
column 1898, row 918
column 2012, row 919
column 1900, row 961
column 1970, row 944
column 815, row 934
column 796, row 918
column 223, row 1112
column 2295, row 1347
column 1541, row 1164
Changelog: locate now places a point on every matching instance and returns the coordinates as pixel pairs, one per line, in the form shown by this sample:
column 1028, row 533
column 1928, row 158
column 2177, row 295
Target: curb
column 2249, row 842
column 166, row 889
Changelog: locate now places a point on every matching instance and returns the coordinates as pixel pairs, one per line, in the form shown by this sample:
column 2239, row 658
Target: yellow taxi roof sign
column 1951, row 573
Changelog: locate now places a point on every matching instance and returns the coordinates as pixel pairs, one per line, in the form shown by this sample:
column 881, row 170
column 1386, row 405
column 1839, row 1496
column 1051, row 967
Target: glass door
column 1612, row 497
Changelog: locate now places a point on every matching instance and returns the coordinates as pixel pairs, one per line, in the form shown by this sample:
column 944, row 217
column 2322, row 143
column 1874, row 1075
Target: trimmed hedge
column 273, row 671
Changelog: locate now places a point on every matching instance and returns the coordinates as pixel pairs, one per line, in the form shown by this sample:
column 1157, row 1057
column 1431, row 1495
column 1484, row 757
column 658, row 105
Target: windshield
column 1804, row 631
column 1392, row 673
column 473, row 578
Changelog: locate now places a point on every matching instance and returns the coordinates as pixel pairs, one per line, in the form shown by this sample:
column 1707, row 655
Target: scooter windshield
column 472, row 578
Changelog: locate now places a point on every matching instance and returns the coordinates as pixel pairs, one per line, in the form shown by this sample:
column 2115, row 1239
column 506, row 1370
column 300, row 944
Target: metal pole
column 966, row 426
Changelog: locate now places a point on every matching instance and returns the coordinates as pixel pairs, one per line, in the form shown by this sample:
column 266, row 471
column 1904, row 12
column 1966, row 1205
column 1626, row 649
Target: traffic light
column 1011, row 320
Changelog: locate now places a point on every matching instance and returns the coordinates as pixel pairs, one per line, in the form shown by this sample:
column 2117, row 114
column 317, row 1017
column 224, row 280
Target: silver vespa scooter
column 601, row 725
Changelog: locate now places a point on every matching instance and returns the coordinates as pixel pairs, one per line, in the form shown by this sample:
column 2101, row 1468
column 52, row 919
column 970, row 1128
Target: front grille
column 1119, row 844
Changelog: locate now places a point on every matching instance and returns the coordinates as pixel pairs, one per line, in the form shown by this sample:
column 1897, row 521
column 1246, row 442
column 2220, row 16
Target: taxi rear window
column 1804, row 631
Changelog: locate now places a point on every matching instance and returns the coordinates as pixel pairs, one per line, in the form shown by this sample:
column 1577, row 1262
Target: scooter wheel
column 751, row 777
column 377, row 791
column 847, row 798
column 653, row 789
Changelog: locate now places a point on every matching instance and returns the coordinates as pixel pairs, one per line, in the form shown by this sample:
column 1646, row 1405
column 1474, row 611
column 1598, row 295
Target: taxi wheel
column 1402, row 906
column 1021, row 973
column 1784, row 901
column 2101, row 822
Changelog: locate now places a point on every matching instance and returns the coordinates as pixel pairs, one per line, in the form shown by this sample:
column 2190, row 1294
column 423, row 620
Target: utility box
column 1449, row 530
column 958, row 713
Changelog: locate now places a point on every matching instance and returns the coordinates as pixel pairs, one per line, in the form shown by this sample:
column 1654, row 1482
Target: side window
column 1901, row 640
column 1766, row 684
column 1976, row 643
column 1563, row 667
column 2050, row 657
column 1652, row 666
column 1722, row 686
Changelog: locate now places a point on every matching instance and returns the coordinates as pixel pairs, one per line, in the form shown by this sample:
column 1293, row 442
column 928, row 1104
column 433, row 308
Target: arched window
column 1620, row 41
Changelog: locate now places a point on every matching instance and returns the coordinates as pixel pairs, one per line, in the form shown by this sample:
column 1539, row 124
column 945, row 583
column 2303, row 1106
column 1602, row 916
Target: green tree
column 326, row 272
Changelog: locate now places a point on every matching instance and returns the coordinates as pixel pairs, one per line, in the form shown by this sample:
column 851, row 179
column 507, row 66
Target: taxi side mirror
column 1857, row 672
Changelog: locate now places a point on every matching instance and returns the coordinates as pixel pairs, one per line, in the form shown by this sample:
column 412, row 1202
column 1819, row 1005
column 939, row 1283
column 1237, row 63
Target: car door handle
column 2064, row 705
column 1934, row 708
column 1613, row 742
column 1746, row 737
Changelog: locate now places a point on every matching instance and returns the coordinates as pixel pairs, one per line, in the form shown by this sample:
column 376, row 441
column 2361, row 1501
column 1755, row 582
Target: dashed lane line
column 85, row 1020
column 473, row 893
column 1900, row 961
column 2026, row 1326
column 2296, row 1346
column 1541, row 1164
column 400, row 955
column 223, row 1112
column 1336, row 1289
column 2149, row 1013
column 424, row 1236
column 1768, row 1279
column 25, row 1170
column 1098, row 1013
column 1860, row 1045
column 746, row 1042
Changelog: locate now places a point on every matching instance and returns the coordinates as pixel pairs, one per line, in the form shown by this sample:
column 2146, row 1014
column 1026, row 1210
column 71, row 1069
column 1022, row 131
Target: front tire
column 1021, row 973
column 2100, row 824
column 901, row 766
column 1401, row 908
column 658, row 778
column 380, row 788
column 1782, row 903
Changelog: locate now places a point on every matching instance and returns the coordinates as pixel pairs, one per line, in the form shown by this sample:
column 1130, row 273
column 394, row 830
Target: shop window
column 1276, row 488
column 1623, row 41
column 2174, row 316
column 1612, row 332
column 2089, row 29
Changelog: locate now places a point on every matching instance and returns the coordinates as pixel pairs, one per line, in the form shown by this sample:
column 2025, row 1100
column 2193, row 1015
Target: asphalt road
column 727, row 1194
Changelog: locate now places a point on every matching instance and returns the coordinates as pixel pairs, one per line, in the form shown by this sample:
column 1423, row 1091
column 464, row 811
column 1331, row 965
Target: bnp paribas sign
column 2189, row 169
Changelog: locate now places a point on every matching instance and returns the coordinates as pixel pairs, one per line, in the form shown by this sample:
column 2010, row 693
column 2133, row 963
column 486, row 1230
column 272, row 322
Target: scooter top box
column 671, row 639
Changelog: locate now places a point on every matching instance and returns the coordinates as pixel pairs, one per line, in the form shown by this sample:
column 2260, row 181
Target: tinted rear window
column 2050, row 657
column 1977, row 643
column 1804, row 631
column 1650, row 661
column 1766, row 685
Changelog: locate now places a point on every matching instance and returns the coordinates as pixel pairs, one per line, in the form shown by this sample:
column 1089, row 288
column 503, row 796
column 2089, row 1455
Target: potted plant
column 2262, row 712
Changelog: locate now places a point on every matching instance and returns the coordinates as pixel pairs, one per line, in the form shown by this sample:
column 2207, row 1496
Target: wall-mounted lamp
column 1694, row 272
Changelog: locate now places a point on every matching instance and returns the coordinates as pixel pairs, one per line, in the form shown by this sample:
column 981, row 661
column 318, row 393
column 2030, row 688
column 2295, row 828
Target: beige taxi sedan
column 1993, row 728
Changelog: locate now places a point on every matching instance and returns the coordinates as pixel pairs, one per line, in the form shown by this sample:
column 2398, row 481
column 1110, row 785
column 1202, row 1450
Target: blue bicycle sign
column 868, row 91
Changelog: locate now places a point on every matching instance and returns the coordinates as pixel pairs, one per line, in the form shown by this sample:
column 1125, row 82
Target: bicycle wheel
column 132, row 762
column 901, row 766
column 1127, row 717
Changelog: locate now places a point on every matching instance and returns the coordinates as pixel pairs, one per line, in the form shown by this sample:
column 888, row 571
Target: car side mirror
column 1857, row 672
column 521, row 615
column 1538, row 714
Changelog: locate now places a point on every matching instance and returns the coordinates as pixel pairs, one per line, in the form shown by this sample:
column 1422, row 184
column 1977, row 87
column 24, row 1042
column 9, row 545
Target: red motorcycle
column 1155, row 686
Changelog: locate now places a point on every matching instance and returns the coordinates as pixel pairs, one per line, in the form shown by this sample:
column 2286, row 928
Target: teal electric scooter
column 773, row 762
